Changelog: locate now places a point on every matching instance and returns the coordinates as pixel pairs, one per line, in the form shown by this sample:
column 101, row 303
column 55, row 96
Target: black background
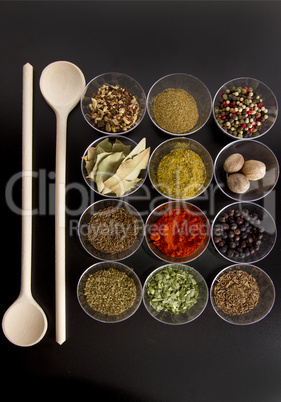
column 139, row 359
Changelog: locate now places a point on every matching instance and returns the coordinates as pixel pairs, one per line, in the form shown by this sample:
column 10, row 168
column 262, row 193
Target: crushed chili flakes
column 236, row 292
column 178, row 233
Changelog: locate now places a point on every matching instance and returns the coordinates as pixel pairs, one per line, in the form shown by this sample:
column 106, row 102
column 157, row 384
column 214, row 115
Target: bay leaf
column 107, row 167
column 118, row 146
column 138, row 148
column 89, row 165
column 124, row 188
column 130, row 167
column 91, row 155
column 105, row 145
column 90, row 159
column 99, row 158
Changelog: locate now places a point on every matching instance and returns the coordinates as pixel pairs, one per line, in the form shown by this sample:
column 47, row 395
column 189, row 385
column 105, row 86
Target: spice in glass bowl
column 112, row 229
column 110, row 291
column 173, row 290
column 241, row 112
column 175, row 110
column 178, row 233
column 238, row 234
column 236, row 292
column 114, row 167
column 114, row 109
column 181, row 173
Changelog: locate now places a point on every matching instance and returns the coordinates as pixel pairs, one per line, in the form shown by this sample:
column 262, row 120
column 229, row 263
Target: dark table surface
column 139, row 359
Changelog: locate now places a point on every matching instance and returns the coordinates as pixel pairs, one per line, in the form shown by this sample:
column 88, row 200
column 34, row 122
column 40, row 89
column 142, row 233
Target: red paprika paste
column 178, row 233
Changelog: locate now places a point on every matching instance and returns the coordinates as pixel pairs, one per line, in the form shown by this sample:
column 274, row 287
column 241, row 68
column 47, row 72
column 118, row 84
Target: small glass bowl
column 190, row 314
column 263, row 220
column 268, row 100
column 104, row 317
column 158, row 212
column 112, row 78
column 84, row 223
column 92, row 184
column 191, row 85
column 249, row 149
column 265, row 302
column 174, row 143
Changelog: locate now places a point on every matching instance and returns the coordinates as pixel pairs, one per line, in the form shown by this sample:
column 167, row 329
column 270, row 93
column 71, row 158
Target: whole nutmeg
column 233, row 163
column 254, row 170
column 238, row 183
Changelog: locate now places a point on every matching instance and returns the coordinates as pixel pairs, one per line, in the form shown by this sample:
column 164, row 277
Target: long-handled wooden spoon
column 61, row 84
column 25, row 323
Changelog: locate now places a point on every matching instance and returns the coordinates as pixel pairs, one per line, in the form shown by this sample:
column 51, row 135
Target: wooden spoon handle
column 27, row 124
column 60, row 229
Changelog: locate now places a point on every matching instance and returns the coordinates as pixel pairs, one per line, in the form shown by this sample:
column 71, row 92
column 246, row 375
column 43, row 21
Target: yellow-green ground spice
column 181, row 174
column 110, row 291
column 175, row 110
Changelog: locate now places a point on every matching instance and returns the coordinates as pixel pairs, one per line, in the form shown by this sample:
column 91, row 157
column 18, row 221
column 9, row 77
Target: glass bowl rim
column 230, row 268
column 172, row 75
column 178, row 202
column 176, row 139
column 120, row 265
column 240, row 140
column 118, row 200
column 113, row 73
column 96, row 141
column 241, row 206
column 184, row 267
column 244, row 78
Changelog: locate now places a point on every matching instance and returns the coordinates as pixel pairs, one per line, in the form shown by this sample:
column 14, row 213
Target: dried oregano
column 110, row 291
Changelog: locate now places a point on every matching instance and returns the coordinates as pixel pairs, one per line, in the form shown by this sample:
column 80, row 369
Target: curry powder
column 181, row 174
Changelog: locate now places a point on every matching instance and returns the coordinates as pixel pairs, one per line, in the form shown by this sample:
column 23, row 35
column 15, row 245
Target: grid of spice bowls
column 111, row 158
column 174, row 182
column 252, row 289
column 195, row 104
column 106, row 113
column 175, row 308
column 263, row 170
column 243, row 232
column 177, row 232
column 117, row 310
column 111, row 229
column 245, row 107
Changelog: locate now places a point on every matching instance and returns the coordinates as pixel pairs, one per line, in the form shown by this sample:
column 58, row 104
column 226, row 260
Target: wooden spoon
column 25, row 323
column 61, row 84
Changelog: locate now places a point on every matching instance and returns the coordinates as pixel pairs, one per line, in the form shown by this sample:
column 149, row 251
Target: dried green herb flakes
column 110, row 291
column 172, row 290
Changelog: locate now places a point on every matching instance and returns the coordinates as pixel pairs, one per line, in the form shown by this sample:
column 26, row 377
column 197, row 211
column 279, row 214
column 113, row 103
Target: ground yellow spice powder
column 181, row 174
column 175, row 110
